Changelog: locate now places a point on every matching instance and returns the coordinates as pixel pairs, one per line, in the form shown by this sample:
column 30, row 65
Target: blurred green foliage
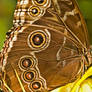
column 7, row 9
column 6, row 17
column 86, row 9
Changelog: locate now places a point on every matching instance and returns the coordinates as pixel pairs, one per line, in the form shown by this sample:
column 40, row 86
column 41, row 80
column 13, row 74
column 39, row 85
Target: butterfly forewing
column 71, row 16
column 65, row 13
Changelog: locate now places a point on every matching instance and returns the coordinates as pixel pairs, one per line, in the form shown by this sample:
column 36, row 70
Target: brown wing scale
column 31, row 64
column 46, row 47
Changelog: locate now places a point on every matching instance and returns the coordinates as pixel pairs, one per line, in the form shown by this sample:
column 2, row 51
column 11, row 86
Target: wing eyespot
column 35, row 11
column 42, row 3
column 36, row 85
column 26, row 62
column 28, row 75
column 39, row 39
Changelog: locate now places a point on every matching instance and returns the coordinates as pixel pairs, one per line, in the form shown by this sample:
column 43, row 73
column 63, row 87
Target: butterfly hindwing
column 46, row 63
column 45, row 48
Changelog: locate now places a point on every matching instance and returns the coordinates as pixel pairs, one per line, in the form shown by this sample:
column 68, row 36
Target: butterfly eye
column 34, row 11
column 28, row 76
column 26, row 62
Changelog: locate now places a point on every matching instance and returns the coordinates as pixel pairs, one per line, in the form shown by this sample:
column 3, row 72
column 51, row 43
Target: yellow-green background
column 7, row 9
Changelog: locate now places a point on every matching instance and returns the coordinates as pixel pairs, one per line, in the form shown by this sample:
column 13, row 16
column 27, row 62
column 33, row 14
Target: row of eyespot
column 37, row 39
column 26, row 63
column 35, row 10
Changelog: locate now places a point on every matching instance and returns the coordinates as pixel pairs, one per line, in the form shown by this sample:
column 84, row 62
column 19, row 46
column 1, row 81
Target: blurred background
column 7, row 9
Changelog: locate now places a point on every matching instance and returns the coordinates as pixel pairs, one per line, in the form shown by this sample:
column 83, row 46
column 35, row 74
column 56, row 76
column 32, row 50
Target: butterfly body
column 45, row 48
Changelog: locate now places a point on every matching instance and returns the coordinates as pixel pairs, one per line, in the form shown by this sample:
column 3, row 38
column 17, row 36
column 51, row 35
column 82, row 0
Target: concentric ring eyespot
column 40, row 2
column 35, row 11
column 26, row 62
column 28, row 76
column 39, row 39
column 43, row 3
column 36, row 85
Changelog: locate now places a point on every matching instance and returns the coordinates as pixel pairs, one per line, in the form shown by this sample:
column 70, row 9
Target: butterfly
column 46, row 48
